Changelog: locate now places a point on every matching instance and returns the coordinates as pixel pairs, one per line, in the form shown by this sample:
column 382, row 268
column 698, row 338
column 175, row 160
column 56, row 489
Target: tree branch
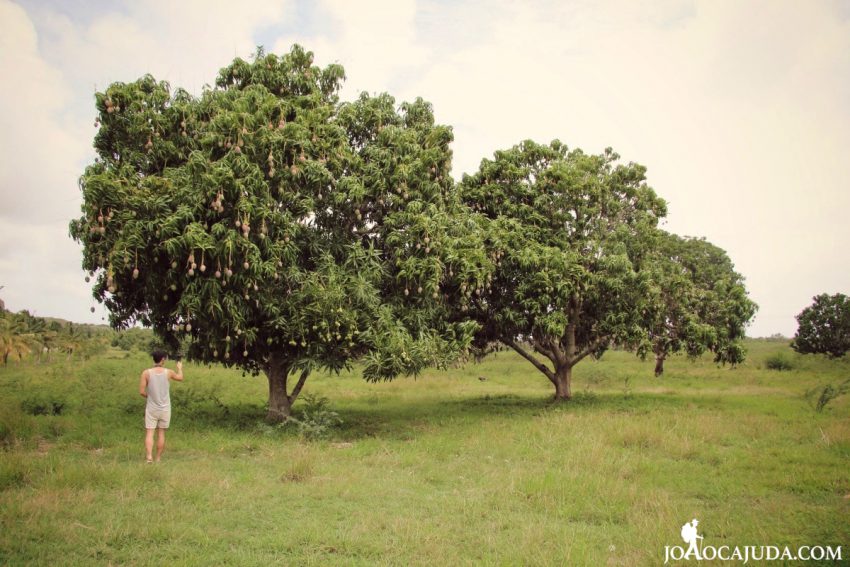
column 557, row 350
column 590, row 348
column 530, row 357
column 538, row 346
column 551, row 349
column 298, row 386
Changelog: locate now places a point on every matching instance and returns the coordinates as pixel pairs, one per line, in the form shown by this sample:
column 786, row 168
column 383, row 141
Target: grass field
column 446, row 469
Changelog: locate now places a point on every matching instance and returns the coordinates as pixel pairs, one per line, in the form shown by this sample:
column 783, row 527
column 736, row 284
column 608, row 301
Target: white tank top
column 158, row 397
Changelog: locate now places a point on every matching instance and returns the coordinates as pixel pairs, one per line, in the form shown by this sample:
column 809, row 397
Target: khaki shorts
column 157, row 419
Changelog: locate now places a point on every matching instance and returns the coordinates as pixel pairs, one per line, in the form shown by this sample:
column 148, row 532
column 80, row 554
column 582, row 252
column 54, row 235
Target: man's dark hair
column 158, row 356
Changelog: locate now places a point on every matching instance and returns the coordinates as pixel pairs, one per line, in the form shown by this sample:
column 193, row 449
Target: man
column 154, row 387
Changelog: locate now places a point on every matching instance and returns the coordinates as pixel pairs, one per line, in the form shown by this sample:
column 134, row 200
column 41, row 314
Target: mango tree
column 275, row 229
column 571, row 235
column 824, row 326
column 699, row 302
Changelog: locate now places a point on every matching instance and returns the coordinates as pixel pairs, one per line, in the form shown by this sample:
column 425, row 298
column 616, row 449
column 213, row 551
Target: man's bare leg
column 160, row 444
column 149, row 444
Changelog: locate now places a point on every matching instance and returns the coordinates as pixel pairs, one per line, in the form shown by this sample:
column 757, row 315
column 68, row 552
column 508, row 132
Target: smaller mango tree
column 699, row 302
column 824, row 326
column 571, row 234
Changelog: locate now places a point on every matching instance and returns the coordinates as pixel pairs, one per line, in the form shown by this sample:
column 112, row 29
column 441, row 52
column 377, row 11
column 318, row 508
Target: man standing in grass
column 154, row 387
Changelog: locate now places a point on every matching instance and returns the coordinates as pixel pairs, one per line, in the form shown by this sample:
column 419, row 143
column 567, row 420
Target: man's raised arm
column 177, row 375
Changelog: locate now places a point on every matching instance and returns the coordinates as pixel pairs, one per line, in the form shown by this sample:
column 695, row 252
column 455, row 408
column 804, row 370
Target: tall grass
column 445, row 469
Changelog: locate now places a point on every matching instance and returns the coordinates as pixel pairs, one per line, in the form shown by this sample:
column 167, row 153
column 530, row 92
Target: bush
column 197, row 403
column 42, row 405
column 316, row 420
column 820, row 398
column 779, row 361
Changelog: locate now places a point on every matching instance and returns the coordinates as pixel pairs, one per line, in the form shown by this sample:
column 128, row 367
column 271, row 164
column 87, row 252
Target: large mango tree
column 273, row 228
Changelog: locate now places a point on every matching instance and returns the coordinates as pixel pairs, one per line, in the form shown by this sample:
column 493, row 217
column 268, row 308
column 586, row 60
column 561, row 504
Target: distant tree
column 93, row 346
column 123, row 340
column 37, row 332
column 699, row 302
column 71, row 340
column 50, row 338
column 824, row 326
column 570, row 233
column 276, row 229
column 133, row 339
column 15, row 340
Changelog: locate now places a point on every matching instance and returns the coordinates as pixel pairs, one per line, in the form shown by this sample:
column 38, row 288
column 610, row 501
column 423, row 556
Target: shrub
column 43, row 405
column 779, row 361
column 316, row 420
column 198, row 402
column 827, row 394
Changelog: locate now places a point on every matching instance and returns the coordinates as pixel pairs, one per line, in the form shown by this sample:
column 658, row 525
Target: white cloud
column 738, row 110
column 184, row 42
column 40, row 269
column 374, row 40
column 46, row 109
column 39, row 153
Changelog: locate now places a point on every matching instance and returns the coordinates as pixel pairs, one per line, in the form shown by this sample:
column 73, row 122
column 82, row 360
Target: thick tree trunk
column 659, row 364
column 563, row 383
column 280, row 400
column 280, row 406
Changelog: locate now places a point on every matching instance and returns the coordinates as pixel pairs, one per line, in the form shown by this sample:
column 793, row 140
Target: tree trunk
column 659, row 364
column 280, row 401
column 280, row 406
column 563, row 383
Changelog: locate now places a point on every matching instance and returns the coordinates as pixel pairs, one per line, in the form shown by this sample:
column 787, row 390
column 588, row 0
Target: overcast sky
column 740, row 110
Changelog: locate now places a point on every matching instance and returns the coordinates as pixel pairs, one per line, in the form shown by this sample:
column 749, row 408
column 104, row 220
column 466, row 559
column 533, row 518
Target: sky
column 739, row 109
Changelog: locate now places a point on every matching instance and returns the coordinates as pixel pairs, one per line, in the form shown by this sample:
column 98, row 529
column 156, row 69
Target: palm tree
column 71, row 340
column 36, row 331
column 14, row 340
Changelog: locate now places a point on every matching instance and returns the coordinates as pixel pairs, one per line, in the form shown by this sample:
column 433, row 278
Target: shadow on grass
column 405, row 419
column 409, row 418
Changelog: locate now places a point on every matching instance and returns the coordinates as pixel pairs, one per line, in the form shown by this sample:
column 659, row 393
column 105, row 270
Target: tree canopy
column 572, row 234
column 824, row 326
column 276, row 229
column 699, row 302
column 269, row 226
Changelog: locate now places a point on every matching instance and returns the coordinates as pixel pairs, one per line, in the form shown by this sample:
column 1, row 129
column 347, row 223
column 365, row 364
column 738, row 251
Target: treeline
column 24, row 336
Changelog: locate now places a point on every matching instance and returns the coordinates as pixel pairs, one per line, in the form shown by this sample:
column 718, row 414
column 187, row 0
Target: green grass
column 442, row 470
